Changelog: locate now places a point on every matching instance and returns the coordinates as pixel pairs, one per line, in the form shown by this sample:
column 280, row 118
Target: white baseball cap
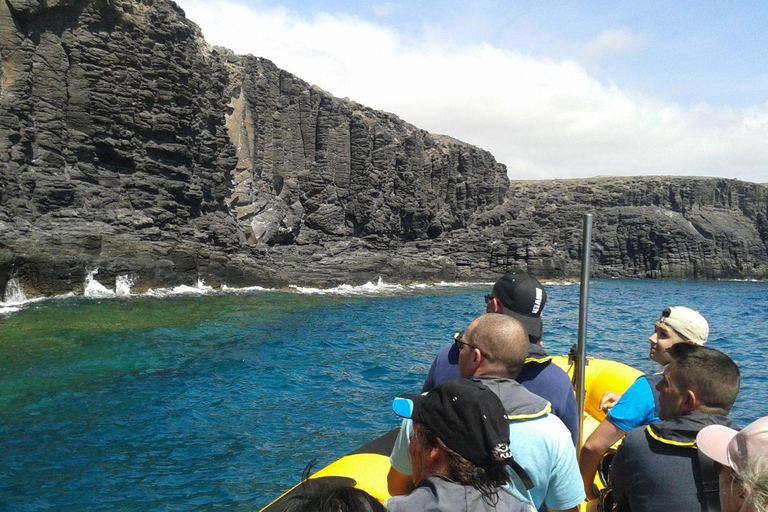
column 689, row 324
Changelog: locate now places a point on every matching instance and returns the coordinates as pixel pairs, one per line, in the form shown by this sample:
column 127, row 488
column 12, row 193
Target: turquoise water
column 198, row 402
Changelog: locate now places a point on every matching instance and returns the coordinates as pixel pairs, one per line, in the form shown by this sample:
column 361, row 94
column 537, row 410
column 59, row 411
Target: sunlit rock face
column 129, row 145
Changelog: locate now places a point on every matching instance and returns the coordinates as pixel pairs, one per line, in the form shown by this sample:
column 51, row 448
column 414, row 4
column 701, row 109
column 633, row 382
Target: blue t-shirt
column 637, row 406
column 546, row 380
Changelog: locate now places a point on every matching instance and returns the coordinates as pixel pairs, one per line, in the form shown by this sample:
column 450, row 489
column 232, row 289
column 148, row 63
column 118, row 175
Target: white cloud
column 614, row 42
column 542, row 118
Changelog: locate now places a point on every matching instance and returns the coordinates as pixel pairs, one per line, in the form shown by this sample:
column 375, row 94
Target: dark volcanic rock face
column 643, row 227
column 129, row 145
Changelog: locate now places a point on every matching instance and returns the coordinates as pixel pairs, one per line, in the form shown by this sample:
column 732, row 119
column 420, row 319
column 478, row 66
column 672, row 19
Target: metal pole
column 581, row 360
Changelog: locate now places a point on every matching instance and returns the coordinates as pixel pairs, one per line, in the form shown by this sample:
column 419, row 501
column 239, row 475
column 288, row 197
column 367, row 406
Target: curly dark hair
column 487, row 481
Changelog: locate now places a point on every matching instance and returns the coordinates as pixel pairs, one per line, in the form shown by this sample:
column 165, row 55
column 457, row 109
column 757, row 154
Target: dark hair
column 487, row 480
column 339, row 498
column 713, row 375
column 330, row 495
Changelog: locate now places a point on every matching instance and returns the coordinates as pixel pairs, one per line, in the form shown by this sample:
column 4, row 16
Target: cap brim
column 533, row 325
column 713, row 442
column 405, row 406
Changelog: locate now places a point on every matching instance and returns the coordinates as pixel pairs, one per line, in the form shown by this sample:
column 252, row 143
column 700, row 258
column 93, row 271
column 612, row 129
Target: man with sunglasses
column 522, row 297
column 492, row 351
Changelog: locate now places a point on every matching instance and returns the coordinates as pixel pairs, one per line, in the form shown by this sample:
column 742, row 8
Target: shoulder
column 420, row 499
column 442, row 355
column 641, row 385
column 634, row 407
column 545, row 374
column 636, row 440
column 427, row 492
column 555, row 373
column 548, row 427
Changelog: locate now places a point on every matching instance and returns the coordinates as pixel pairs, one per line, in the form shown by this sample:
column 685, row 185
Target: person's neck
column 488, row 373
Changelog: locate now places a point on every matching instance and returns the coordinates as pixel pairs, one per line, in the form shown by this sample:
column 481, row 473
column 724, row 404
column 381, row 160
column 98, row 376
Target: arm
column 399, row 484
column 604, row 436
column 399, row 480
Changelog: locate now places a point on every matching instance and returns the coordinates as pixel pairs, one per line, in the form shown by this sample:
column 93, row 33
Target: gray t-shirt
column 438, row 494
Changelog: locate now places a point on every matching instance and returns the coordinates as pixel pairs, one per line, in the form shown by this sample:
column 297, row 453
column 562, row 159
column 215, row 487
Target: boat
column 366, row 468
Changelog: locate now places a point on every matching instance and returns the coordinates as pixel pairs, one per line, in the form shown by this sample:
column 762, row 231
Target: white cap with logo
column 689, row 324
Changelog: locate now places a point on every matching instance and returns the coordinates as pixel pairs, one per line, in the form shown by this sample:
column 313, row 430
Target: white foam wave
column 348, row 289
column 200, row 289
column 245, row 289
column 14, row 292
column 559, row 283
column 455, row 284
column 123, row 285
column 8, row 307
column 94, row 289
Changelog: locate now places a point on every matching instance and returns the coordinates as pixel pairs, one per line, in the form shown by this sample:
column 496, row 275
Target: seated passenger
column 658, row 468
column 523, row 298
column 638, row 406
column 743, row 460
column 492, row 351
column 459, row 450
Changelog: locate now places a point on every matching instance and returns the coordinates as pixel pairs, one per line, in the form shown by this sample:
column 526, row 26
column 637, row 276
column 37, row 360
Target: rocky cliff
column 130, row 145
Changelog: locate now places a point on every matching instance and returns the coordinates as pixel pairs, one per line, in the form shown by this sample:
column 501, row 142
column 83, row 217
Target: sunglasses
column 489, row 297
column 458, row 340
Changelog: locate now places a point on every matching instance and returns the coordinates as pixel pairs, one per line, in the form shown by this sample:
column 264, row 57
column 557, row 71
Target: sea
column 199, row 399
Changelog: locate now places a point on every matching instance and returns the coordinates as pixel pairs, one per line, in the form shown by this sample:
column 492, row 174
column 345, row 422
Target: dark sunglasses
column 489, row 297
column 458, row 340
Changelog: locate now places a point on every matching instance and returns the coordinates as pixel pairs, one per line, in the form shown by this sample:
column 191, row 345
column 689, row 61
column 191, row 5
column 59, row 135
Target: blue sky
column 552, row 89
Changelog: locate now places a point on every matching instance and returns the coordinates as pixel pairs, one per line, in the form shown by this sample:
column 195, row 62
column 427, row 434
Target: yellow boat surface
column 366, row 468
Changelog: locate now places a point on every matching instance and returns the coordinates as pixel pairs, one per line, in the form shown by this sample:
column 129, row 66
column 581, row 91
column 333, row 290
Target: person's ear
column 691, row 402
column 435, row 459
column 495, row 306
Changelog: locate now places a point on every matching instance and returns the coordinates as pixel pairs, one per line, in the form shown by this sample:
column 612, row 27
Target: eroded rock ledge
column 129, row 144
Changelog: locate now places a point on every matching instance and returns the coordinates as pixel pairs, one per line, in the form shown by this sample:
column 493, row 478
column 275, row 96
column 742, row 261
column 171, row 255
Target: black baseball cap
column 465, row 415
column 522, row 297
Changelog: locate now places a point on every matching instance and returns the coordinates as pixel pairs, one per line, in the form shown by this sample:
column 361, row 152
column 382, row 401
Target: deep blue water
column 185, row 403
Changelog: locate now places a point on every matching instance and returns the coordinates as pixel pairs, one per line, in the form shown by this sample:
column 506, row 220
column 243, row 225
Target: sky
column 552, row 89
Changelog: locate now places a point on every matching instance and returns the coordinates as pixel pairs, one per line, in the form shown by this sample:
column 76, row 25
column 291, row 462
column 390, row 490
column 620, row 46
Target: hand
column 608, row 401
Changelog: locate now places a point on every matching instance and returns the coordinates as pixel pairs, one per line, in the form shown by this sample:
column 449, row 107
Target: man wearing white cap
column 743, row 457
column 639, row 404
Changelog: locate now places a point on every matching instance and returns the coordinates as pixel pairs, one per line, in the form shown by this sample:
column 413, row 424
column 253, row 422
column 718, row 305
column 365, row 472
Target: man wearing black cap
column 522, row 297
column 459, row 450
